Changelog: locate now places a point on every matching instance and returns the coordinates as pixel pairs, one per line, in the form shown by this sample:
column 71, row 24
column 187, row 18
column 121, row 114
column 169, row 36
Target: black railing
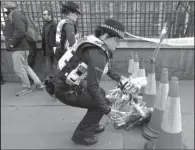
column 141, row 18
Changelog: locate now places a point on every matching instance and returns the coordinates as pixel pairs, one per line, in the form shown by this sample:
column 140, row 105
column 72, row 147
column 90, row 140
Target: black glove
column 122, row 85
column 49, row 85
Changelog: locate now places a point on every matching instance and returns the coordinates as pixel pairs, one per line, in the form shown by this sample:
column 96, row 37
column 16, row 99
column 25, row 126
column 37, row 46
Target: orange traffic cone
column 153, row 128
column 171, row 128
column 150, row 89
column 135, row 66
column 131, row 61
column 141, row 71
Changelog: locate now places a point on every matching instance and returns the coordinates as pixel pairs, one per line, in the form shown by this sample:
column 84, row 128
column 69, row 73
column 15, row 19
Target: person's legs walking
column 49, row 65
column 31, row 62
column 18, row 64
column 54, row 65
column 31, row 73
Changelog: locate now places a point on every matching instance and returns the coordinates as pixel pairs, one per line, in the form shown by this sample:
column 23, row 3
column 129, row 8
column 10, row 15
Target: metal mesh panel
column 141, row 18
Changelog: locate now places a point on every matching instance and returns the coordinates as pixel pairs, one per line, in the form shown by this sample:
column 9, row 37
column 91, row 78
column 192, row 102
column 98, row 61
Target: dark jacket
column 49, row 38
column 96, row 60
column 15, row 32
column 68, row 34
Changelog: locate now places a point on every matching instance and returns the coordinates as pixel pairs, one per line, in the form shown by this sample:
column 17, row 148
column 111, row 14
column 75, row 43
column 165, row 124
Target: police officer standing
column 95, row 51
column 66, row 28
column 66, row 32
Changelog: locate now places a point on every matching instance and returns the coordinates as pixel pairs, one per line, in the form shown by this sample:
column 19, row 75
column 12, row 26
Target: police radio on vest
column 77, row 75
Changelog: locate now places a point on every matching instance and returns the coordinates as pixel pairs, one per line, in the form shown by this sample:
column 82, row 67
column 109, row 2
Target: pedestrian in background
column 16, row 42
column 48, row 42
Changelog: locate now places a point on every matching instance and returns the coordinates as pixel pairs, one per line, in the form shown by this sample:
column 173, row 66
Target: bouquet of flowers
column 126, row 99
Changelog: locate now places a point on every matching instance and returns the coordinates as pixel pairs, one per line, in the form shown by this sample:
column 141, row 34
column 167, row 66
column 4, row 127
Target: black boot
column 85, row 141
column 31, row 80
column 99, row 129
column 2, row 82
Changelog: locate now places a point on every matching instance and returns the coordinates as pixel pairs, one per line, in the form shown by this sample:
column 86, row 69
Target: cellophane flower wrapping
column 126, row 99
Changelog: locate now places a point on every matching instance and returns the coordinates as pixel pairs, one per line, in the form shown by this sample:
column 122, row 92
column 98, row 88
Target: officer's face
column 112, row 43
column 73, row 16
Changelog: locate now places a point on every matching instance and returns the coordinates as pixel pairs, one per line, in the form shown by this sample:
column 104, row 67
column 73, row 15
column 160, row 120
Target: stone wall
column 179, row 60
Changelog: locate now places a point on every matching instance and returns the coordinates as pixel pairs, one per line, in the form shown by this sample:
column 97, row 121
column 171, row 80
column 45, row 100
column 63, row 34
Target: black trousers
column 93, row 116
column 31, row 62
column 2, row 77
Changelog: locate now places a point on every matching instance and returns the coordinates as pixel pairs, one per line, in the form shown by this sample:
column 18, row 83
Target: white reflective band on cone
column 150, row 88
column 171, row 122
column 142, row 81
column 141, row 73
column 161, row 97
column 135, row 69
column 130, row 68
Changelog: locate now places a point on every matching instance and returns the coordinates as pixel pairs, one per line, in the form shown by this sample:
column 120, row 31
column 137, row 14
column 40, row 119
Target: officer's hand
column 124, row 82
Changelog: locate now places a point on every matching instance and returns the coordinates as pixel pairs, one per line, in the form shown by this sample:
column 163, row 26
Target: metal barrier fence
column 141, row 18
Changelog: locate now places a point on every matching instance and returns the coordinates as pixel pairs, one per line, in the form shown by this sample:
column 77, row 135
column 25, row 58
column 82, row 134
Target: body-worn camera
column 77, row 75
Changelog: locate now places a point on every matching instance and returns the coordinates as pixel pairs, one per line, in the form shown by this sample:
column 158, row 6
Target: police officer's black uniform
column 93, row 97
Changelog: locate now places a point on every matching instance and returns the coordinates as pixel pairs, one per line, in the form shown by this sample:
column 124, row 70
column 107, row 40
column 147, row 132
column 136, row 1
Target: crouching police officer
column 81, row 69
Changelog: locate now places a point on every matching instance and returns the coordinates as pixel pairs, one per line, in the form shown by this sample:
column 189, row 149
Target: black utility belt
column 75, row 89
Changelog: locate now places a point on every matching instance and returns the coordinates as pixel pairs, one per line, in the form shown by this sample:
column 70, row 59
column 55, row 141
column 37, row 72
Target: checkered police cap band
column 116, row 30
